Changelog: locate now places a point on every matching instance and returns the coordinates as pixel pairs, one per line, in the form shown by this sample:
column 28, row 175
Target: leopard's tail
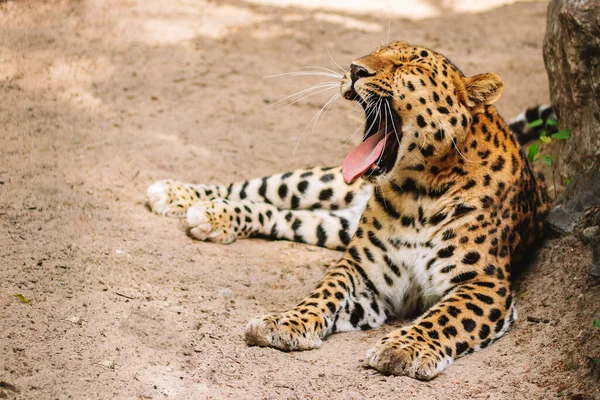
column 521, row 124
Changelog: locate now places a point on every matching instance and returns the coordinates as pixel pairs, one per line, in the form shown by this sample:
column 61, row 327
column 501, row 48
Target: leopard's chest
column 407, row 263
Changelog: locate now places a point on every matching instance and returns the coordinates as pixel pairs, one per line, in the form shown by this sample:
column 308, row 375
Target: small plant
column 546, row 137
column 549, row 134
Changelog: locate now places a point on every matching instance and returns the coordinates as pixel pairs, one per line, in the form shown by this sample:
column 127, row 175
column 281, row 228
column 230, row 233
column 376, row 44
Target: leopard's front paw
column 397, row 356
column 212, row 221
column 283, row 331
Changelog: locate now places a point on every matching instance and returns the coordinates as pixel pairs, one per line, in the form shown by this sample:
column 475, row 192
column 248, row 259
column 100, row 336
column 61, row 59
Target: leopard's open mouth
column 378, row 151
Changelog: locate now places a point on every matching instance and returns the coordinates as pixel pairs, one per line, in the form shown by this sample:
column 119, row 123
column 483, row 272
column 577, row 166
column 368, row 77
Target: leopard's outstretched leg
column 345, row 300
column 306, row 189
column 312, row 206
column 223, row 221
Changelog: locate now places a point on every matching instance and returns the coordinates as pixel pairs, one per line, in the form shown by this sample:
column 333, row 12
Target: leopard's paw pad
column 407, row 358
column 282, row 332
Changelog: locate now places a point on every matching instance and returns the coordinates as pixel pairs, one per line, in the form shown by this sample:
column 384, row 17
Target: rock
column 595, row 269
column 8, row 386
column 581, row 194
column 590, row 234
column 108, row 364
column 75, row 320
column 572, row 58
column 226, row 293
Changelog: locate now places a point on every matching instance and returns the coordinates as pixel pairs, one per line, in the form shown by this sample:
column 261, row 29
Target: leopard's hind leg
column 223, row 221
column 311, row 206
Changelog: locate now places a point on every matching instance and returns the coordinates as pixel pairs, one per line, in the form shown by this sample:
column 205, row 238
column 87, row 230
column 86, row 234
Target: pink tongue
column 362, row 157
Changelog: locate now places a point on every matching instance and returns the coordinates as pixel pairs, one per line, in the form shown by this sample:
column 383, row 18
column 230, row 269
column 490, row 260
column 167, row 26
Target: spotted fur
column 522, row 126
column 435, row 227
column 309, row 206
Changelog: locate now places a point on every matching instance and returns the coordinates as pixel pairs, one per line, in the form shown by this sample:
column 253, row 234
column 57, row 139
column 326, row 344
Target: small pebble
column 108, row 364
column 588, row 235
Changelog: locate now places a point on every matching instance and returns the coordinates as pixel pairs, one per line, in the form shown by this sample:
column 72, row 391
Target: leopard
column 435, row 212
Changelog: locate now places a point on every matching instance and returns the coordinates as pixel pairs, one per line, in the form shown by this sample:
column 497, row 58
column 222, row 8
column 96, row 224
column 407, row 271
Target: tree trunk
column 572, row 58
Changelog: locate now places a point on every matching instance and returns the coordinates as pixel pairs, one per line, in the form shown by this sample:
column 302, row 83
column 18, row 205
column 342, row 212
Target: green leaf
column 568, row 180
column 545, row 139
column 547, row 159
column 22, row 298
column 535, row 124
column 597, row 323
column 551, row 122
column 533, row 151
column 562, row 134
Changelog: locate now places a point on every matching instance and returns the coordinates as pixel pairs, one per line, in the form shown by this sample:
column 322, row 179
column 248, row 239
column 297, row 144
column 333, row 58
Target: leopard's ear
column 482, row 90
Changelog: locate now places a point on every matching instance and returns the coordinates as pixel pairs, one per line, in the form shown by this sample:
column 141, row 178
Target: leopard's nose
column 358, row 71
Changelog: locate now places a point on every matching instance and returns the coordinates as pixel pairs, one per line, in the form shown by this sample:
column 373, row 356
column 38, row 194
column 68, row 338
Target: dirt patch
column 100, row 99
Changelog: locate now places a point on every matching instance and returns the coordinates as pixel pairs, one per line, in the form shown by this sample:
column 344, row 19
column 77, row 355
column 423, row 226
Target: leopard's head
column 418, row 107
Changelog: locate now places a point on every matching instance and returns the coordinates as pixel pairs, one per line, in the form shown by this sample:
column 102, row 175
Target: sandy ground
column 99, row 100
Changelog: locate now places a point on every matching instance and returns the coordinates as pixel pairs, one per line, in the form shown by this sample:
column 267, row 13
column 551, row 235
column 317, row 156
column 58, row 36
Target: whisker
column 302, row 92
column 387, row 41
column 324, row 110
column 376, row 110
column 395, row 131
column 368, row 37
column 322, row 90
column 327, row 106
column 383, row 197
column 424, row 140
column 324, row 69
column 367, row 116
column 357, row 106
column 316, row 86
column 306, row 73
column 334, row 98
column 387, row 104
column 338, row 65
column 459, row 152
column 384, row 133
column 351, row 136
column 397, row 184
column 315, row 118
